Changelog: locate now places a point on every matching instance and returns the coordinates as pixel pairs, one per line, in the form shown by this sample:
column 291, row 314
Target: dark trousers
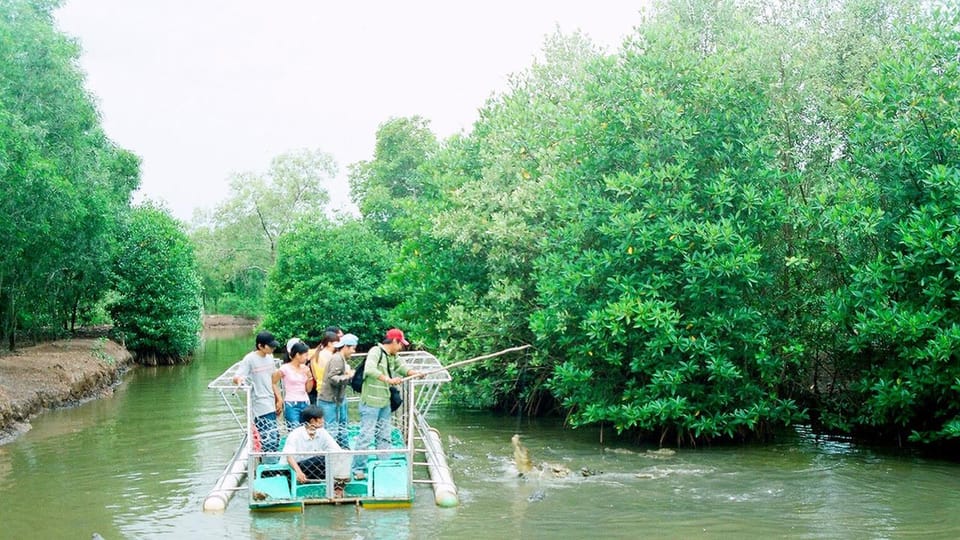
column 314, row 468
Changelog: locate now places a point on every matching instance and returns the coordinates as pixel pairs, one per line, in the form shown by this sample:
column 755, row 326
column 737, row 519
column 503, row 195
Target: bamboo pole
column 465, row 362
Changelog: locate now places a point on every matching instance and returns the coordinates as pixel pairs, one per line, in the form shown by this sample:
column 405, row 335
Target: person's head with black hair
column 310, row 412
column 347, row 345
column 296, row 347
column 328, row 340
column 335, row 329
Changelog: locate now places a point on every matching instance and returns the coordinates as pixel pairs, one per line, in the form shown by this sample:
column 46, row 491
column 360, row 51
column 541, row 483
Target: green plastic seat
column 312, row 491
column 388, row 479
column 274, row 487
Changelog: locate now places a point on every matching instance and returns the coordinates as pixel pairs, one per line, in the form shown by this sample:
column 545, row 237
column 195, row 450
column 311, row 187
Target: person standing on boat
column 322, row 354
column 380, row 371
column 257, row 368
column 332, row 397
column 297, row 381
column 309, row 438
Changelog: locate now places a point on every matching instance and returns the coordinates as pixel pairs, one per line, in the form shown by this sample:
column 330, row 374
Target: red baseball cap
column 397, row 334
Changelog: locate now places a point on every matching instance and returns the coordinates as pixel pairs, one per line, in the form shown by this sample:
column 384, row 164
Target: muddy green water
column 140, row 463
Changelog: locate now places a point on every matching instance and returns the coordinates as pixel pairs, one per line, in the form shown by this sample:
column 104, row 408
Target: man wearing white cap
column 332, row 395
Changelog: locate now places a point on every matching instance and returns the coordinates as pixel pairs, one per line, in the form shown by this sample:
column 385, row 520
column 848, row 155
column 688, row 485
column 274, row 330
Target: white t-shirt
column 299, row 442
column 258, row 370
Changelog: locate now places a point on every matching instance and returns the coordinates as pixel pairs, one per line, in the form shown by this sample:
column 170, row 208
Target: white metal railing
column 419, row 396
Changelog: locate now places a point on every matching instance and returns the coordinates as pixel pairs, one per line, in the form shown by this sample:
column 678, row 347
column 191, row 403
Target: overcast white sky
column 201, row 89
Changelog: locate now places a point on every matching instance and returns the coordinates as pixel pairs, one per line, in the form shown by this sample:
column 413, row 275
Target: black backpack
column 357, row 381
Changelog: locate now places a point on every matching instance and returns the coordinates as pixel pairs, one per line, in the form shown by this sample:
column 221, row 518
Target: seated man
column 309, row 438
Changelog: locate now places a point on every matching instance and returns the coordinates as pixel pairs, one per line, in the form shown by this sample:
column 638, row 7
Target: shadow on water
column 138, row 465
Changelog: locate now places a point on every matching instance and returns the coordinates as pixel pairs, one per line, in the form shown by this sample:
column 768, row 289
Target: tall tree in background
column 389, row 187
column 293, row 186
column 237, row 242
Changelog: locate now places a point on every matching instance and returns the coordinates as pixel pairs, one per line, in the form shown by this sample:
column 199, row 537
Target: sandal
column 359, row 475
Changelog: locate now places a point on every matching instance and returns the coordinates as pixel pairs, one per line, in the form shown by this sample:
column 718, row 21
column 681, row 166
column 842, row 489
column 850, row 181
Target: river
column 139, row 464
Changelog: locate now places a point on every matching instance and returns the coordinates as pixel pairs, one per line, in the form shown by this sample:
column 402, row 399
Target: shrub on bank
column 158, row 310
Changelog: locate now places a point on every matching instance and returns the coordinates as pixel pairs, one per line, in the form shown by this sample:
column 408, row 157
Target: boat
column 415, row 454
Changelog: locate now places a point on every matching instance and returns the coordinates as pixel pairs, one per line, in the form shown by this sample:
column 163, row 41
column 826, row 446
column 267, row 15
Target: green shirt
column 376, row 393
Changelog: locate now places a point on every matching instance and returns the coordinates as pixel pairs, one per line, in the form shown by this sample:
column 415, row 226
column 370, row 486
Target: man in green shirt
column 381, row 369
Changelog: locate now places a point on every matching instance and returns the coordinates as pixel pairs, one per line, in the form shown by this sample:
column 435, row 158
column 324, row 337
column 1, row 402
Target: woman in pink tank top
column 297, row 382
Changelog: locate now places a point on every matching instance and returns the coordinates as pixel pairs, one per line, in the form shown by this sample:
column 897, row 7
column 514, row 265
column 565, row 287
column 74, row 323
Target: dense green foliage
column 237, row 242
column 388, row 187
column 65, row 185
column 158, row 309
column 743, row 218
column 69, row 235
column 661, row 280
column 899, row 307
column 328, row 275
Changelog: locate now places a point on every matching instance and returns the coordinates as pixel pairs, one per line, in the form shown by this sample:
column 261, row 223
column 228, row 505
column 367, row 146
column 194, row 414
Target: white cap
column 348, row 340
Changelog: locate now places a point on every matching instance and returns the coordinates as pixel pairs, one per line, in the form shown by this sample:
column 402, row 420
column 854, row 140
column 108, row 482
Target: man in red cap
column 381, row 369
column 396, row 334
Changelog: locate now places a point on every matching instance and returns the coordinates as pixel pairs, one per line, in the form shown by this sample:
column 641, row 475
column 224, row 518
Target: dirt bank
column 56, row 374
column 67, row 372
column 227, row 321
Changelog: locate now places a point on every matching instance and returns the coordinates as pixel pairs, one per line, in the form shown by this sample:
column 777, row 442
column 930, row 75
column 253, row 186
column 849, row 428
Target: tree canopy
column 157, row 309
column 742, row 218
column 65, row 184
column 72, row 241
column 237, row 241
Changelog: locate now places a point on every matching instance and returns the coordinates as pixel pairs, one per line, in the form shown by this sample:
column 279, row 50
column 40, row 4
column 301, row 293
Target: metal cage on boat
column 387, row 479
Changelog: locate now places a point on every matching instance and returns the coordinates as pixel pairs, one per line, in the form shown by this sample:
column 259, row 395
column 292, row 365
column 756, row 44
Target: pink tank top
column 294, row 383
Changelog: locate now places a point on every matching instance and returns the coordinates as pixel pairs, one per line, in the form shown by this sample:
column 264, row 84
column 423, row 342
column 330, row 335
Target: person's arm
column 345, row 372
column 289, row 449
column 311, row 381
column 312, row 360
column 292, row 461
column 242, row 372
column 277, row 395
column 370, row 367
column 401, row 367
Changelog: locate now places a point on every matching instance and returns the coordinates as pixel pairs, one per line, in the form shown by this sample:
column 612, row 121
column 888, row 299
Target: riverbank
column 70, row 371
column 56, row 374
